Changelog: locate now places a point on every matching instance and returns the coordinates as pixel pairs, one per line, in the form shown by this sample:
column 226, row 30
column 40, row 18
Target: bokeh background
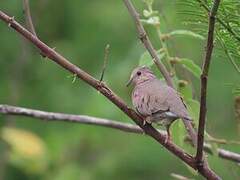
column 80, row 30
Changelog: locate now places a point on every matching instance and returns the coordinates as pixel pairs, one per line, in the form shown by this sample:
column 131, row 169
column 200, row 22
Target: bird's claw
column 166, row 140
column 144, row 122
column 147, row 120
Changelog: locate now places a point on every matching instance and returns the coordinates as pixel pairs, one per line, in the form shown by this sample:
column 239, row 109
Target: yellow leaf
column 27, row 150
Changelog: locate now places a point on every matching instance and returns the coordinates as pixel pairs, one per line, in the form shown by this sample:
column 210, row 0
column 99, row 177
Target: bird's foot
column 168, row 138
column 144, row 122
column 147, row 120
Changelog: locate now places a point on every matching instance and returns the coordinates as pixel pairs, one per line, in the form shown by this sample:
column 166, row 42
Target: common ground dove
column 154, row 100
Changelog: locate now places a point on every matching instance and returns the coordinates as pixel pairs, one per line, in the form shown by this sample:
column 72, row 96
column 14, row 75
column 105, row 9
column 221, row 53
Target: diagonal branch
column 204, row 76
column 82, row 119
column 147, row 43
column 105, row 90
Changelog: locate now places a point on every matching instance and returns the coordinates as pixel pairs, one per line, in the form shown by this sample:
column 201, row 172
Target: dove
column 155, row 100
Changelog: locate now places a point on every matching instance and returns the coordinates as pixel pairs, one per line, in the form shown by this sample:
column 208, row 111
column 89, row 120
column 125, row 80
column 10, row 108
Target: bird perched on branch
column 156, row 101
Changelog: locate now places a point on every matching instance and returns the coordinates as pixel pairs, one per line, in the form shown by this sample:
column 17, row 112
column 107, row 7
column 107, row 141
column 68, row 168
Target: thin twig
column 28, row 16
column 204, row 76
column 229, row 55
column 105, row 90
column 125, row 127
column 165, row 48
column 15, row 83
column 147, row 43
column 237, row 112
column 210, row 138
column 106, row 54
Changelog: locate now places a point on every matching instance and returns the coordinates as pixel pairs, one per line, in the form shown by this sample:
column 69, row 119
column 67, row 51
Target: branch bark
column 204, row 76
column 53, row 116
column 82, row 119
column 105, row 90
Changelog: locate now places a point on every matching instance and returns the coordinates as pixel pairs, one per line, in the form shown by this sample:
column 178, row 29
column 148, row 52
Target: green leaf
column 186, row 33
column 146, row 59
column 193, row 105
column 146, row 13
column 150, row 13
column 236, row 91
column 214, row 145
column 191, row 66
column 148, row 2
column 178, row 133
column 193, row 109
column 185, row 89
column 154, row 20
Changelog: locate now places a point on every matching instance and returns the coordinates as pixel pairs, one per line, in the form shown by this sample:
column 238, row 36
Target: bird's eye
column 139, row 73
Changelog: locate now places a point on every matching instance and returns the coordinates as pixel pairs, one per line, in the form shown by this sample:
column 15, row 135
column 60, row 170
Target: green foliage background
column 80, row 30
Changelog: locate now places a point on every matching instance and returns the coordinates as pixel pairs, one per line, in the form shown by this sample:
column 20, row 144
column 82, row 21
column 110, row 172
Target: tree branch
column 125, row 127
column 53, row 116
column 204, row 76
column 147, row 43
column 28, row 17
column 232, row 156
column 105, row 90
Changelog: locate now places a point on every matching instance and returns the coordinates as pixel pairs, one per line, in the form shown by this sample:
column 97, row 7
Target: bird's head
column 140, row 75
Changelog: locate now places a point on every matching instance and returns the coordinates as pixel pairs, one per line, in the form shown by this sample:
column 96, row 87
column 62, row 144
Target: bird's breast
column 140, row 101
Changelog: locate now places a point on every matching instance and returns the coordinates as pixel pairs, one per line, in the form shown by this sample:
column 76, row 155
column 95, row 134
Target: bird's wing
column 164, row 98
column 157, row 97
column 146, row 101
column 176, row 104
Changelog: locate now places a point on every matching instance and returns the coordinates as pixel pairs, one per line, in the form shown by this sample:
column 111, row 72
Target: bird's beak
column 129, row 82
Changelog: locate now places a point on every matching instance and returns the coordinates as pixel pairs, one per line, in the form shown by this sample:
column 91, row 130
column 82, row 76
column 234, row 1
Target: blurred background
column 80, row 30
